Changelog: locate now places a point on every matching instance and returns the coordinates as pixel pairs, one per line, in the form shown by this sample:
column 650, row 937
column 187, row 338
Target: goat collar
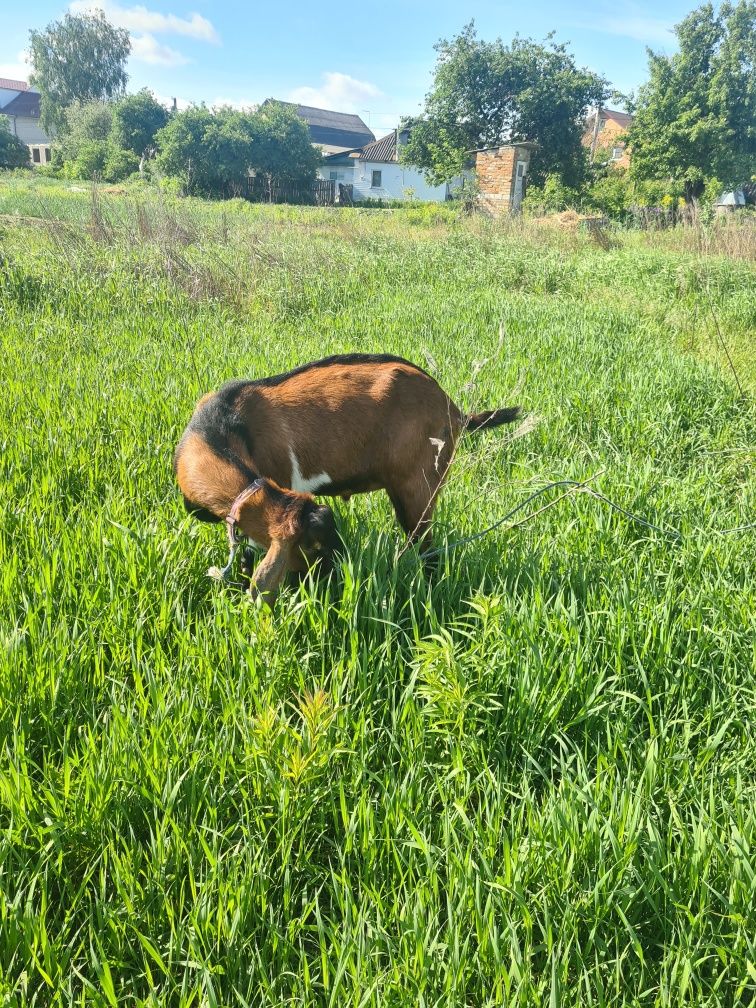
column 232, row 518
column 234, row 539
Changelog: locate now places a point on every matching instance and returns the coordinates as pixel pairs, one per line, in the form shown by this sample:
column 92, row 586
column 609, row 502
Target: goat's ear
column 271, row 570
column 320, row 538
column 321, row 529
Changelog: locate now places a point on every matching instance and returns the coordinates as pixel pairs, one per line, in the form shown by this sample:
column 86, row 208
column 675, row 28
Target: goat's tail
column 490, row 418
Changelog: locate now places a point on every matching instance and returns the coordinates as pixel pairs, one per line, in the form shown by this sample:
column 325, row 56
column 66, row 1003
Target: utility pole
column 594, row 141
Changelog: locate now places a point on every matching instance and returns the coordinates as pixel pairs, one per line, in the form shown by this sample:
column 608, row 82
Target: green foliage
column 88, row 162
column 86, row 148
column 696, row 116
column 119, row 164
column 13, row 153
column 281, row 147
column 212, row 151
column 611, row 193
column 552, row 197
column 615, row 192
column 528, row 780
column 209, row 151
column 136, row 120
column 488, row 93
column 85, row 123
column 104, row 139
column 79, row 59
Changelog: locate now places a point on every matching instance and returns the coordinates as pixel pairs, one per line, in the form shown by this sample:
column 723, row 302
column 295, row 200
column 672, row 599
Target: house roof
column 380, row 150
column 527, row 144
column 621, row 118
column 336, row 129
column 13, row 85
column 24, row 104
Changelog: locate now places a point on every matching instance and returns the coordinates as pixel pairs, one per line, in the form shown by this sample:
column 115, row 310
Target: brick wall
column 495, row 169
column 615, row 124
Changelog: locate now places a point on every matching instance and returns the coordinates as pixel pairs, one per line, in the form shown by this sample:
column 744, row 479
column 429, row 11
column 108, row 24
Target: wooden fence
column 321, row 192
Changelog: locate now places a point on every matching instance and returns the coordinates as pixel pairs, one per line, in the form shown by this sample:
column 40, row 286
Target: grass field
column 528, row 781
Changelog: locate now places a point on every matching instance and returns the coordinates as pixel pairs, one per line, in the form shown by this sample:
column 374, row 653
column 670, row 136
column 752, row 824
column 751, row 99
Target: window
column 333, row 176
column 617, row 153
column 48, row 156
column 35, row 155
column 602, row 123
column 376, row 183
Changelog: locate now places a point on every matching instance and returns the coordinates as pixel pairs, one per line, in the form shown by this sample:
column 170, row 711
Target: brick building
column 501, row 173
column 604, row 129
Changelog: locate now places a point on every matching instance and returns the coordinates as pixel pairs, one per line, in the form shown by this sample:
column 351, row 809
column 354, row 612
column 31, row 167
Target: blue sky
column 373, row 57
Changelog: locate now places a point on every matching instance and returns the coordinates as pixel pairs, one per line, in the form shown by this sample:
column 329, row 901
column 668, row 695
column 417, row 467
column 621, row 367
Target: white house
column 20, row 105
column 375, row 172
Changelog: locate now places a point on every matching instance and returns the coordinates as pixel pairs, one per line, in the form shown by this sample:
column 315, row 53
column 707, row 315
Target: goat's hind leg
column 415, row 497
column 414, row 504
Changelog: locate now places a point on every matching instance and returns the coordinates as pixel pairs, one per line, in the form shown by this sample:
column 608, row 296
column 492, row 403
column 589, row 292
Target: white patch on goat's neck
column 309, row 484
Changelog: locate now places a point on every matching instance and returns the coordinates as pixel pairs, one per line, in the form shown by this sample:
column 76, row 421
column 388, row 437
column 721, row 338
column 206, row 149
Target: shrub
column 119, row 164
column 552, row 197
column 13, row 153
column 136, row 120
column 89, row 161
column 611, row 193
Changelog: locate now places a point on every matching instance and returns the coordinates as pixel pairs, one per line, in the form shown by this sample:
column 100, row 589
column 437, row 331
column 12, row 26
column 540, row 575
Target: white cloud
column 147, row 49
column 140, row 19
column 19, row 70
column 338, row 92
column 644, row 29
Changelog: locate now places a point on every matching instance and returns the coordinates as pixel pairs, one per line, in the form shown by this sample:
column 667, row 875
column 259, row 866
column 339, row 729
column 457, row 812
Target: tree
column 81, row 58
column 281, row 147
column 695, row 118
column 213, row 151
column 83, row 123
column 13, row 153
column 209, row 152
column 136, row 120
column 487, row 93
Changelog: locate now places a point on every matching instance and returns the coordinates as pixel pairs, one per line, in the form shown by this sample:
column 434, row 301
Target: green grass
column 530, row 781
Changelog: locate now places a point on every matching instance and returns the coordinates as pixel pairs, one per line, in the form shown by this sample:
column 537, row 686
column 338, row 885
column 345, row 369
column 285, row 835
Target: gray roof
column 338, row 129
column 380, row 150
column 24, row 104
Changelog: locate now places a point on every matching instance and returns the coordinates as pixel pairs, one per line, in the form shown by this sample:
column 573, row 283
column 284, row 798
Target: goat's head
column 305, row 537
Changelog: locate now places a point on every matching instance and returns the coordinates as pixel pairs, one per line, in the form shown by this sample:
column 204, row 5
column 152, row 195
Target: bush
column 89, row 162
column 13, row 153
column 611, row 193
column 552, row 197
column 119, row 164
column 212, row 151
column 136, row 120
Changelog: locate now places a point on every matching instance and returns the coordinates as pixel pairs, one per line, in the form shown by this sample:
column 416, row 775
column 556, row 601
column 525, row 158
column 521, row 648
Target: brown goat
column 339, row 426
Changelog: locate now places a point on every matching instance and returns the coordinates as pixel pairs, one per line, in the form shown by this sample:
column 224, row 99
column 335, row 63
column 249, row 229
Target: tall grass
column 527, row 781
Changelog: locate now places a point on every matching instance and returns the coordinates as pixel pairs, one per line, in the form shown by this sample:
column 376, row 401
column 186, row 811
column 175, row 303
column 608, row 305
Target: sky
column 372, row 57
